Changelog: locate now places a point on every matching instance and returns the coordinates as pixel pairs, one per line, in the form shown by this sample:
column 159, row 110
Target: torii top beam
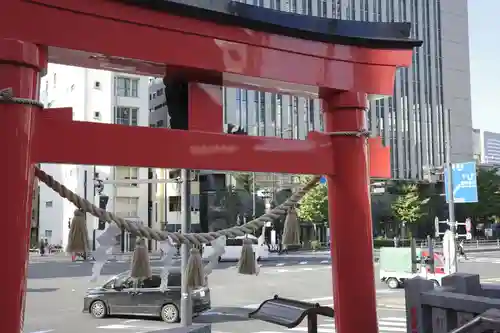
column 236, row 45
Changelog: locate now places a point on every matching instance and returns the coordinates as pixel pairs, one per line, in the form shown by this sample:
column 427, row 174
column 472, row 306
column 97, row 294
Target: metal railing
column 461, row 305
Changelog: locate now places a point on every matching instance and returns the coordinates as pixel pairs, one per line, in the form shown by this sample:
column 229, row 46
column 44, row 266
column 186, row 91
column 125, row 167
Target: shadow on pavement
column 61, row 269
column 223, row 315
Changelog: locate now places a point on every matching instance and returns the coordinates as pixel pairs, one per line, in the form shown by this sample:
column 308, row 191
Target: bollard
column 419, row 317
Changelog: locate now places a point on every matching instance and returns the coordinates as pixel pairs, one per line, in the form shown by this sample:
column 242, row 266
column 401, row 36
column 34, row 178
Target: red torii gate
column 107, row 34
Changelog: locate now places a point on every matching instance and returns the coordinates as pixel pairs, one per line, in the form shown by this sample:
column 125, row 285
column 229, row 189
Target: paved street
column 56, row 289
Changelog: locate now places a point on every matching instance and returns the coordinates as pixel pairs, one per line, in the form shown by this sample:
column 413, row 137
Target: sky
column 484, row 37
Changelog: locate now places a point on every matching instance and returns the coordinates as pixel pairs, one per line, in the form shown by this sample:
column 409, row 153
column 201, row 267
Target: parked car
column 119, row 297
column 234, row 246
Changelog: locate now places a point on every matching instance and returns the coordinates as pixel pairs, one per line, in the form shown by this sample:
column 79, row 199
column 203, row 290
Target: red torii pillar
column 29, row 135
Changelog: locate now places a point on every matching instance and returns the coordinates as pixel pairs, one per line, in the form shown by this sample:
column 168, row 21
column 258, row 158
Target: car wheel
column 170, row 313
column 98, row 309
column 393, row 283
column 436, row 284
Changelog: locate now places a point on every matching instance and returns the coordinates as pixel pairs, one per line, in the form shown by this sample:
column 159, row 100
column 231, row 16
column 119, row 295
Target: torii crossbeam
column 234, row 44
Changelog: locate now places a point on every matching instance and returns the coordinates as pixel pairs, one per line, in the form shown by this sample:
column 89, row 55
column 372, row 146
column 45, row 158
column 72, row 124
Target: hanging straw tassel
column 78, row 238
column 291, row 231
column 141, row 267
column 194, row 269
column 247, row 263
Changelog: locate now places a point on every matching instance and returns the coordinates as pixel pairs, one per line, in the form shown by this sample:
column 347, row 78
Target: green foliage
column 244, row 181
column 488, row 188
column 314, row 206
column 408, row 206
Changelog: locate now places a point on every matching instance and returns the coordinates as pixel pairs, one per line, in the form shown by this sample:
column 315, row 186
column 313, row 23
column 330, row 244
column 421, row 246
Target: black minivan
column 119, row 297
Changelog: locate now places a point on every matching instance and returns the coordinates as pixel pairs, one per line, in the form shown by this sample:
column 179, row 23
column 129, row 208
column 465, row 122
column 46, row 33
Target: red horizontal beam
column 205, row 53
column 60, row 141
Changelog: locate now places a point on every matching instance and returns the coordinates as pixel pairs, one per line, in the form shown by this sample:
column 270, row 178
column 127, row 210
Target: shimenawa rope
column 189, row 238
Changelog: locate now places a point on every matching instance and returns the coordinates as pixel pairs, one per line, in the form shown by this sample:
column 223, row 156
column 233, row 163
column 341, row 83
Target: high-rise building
column 412, row 121
column 95, row 96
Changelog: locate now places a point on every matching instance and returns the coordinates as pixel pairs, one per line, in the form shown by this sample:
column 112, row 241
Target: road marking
column 43, row 331
column 116, row 327
column 280, row 264
column 322, row 299
column 396, row 319
column 307, row 269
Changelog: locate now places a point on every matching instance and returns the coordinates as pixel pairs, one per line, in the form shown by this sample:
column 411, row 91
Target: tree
column 408, row 207
column 488, row 188
column 244, row 180
column 314, row 206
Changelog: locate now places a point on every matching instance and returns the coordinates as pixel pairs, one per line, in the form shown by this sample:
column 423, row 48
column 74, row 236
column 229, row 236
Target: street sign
column 464, row 182
column 322, row 180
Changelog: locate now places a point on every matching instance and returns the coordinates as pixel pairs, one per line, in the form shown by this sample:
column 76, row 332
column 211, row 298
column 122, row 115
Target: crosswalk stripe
column 390, row 323
column 304, row 329
column 395, row 319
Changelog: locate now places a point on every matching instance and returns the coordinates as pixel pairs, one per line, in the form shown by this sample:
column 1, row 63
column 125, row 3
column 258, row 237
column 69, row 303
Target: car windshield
column 116, row 280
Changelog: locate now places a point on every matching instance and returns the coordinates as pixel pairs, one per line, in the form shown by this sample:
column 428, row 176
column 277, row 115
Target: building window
column 48, row 233
column 126, row 116
column 127, row 87
column 127, row 173
column 97, row 85
column 48, row 204
column 127, row 207
column 175, row 173
column 174, row 203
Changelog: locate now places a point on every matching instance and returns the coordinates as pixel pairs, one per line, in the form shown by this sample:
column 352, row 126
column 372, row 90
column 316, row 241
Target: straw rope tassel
column 78, row 238
column 194, row 270
column 247, row 263
column 291, row 231
column 141, row 267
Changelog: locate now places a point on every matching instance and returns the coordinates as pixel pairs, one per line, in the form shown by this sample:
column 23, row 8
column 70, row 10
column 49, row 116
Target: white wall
column 91, row 95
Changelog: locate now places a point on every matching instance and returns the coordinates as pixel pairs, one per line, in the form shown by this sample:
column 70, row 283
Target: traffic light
column 177, row 101
column 103, row 202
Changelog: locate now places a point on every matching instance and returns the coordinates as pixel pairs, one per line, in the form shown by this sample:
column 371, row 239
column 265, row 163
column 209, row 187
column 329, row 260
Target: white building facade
column 96, row 96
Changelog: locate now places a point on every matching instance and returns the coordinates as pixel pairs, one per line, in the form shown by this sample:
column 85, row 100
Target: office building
column 96, row 96
column 412, row 121
column 477, row 146
column 491, row 148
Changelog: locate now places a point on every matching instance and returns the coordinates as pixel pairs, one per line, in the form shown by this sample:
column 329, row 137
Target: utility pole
column 186, row 308
column 451, row 201
column 253, row 196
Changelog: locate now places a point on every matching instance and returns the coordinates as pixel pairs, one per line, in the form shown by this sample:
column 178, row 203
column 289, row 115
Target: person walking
column 461, row 249
column 42, row 248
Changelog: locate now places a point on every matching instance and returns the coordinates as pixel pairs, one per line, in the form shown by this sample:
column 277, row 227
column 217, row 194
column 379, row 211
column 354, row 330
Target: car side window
column 128, row 283
column 120, row 280
column 174, row 280
column 152, row 282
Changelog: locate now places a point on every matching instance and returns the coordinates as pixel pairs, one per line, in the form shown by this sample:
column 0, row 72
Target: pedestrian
column 47, row 247
column 461, row 249
column 42, row 248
